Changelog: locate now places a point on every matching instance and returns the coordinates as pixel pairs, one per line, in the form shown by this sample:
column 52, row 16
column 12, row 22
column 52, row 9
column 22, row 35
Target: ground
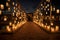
column 30, row 31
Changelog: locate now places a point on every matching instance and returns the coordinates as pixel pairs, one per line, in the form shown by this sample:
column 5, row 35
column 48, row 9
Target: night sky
column 29, row 5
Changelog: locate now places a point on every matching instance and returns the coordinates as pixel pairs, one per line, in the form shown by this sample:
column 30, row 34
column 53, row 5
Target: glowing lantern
column 2, row 6
column 48, row 27
column 0, row 12
column 9, row 9
column 48, row 0
column 5, row 18
column 13, row 3
column 16, row 4
column 46, row 13
column 52, row 29
column 57, row 28
column 51, row 24
column 14, row 8
column 45, row 26
column 57, row 11
column 8, row 29
column 10, row 23
column 53, row 8
column 13, row 26
column 13, row 13
column 7, row 4
column 14, row 21
column 41, row 4
column 47, row 5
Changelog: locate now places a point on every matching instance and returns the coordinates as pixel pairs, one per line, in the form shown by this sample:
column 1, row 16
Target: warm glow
column 53, row 8
column 7, row 4
column 13, row 26
column 8, row 8
column 19, row 17
column 57, row 11
column 14, row 21
column 48, row 27
column 2, row 6
column 48, row 0
column 16, row 18
column 18, row 22
column 0, row 12
column 51, row 24
column 14, row 8
column 41, row 4
column 42, row 25
column 46, row 23
column 37, row 10
column 9, row 0
column 48, row 9
column 47, row 5
column 10, row 23
column 13, row 13
column 46, row 13
column 8, row 29
column 57, row 28
column 5, row 18
column 52, row 29
column 52, row 17
column 45, row 26
column 16, row 4
column 13, row 3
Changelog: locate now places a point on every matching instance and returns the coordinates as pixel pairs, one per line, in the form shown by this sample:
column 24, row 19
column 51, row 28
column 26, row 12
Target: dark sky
column 29, row 5
column 56, row 3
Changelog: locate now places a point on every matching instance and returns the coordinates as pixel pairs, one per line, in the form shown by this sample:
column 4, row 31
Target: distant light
column 47, row 5
column 2, row 6
column 52, row 17
column 57, row 28
column 7, row 4
column 0, row 12
column 41, row 4
column 14, row 11
column 51, row 24
column 48, row 27
column 8, row 8
column 57, row 11
column 13, row 14
column 16, row 4
column 14, row 7
column 53, row 8
column 14, row 21
column 9, row 0
column 5, row 18
column 48, row 9
column 37, row 10
column 13, row 27
column 45, row 9
column 52, row 29
column 13, row 3
column 46, row 13
column 47, row 0
column 8, row 29
column 10, row 23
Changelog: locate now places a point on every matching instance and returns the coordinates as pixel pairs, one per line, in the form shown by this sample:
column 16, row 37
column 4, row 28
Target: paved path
column 29, row 31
